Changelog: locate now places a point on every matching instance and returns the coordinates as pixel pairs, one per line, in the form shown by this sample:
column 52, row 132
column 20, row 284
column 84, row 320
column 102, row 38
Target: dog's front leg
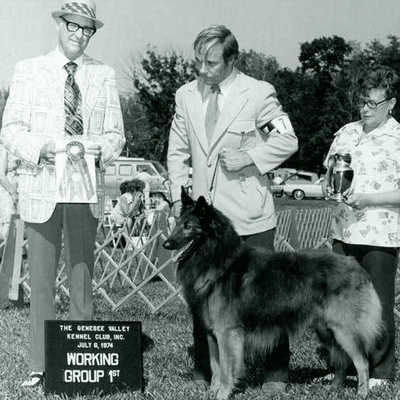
column 214, row 363
column 231, row 360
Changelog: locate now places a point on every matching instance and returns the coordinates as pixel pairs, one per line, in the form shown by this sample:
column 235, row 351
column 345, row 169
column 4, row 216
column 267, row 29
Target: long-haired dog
column 250, row 296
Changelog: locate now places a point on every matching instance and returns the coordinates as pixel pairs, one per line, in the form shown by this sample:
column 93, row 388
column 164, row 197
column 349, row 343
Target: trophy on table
column 340, row 175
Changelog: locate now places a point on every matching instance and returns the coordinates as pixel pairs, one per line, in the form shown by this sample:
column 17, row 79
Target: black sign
column 86, row 356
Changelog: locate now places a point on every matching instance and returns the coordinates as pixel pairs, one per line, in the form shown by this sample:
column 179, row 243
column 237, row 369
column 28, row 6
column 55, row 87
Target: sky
column 272, row 27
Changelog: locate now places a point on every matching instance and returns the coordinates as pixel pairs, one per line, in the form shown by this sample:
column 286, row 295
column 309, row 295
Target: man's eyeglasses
column 370, row 103
column 74, row 27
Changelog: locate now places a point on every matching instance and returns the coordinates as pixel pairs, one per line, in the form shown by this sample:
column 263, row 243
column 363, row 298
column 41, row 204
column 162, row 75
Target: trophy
column 340, row 175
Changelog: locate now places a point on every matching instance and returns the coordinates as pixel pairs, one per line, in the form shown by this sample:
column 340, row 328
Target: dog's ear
column 201, row 207
column 186, row 199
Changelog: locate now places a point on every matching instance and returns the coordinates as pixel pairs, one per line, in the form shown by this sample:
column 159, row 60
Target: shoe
column 34, row 379
column 274, row 387
column 374, row 382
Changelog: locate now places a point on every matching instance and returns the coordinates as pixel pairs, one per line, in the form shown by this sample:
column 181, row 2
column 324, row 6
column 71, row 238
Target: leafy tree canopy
column 318, row 96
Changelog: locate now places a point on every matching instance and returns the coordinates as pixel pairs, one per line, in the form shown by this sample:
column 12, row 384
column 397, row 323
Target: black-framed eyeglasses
column 74, row 27
column 370, row 103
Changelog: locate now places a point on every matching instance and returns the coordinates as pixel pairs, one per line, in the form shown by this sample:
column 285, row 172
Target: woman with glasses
column 366, row 224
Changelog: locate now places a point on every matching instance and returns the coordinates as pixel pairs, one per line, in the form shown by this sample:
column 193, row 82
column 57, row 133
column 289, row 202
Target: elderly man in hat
column 64, row 96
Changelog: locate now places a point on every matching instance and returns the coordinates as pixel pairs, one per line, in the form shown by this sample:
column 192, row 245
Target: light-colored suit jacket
column 244, row 196
column 34, row 115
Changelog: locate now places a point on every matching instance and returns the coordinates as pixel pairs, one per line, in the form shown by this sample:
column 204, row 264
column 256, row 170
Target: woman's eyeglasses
column 370, row 103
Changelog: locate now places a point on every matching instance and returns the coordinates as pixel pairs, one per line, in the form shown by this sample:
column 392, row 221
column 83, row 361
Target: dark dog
column 249, row 296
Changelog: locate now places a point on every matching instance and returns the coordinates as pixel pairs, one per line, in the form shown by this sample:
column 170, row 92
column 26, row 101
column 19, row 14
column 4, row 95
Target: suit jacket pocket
column 252, row 189
column 241, row 135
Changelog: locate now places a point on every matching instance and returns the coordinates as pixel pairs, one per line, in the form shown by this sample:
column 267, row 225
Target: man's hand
column 234, row 160
column 48, row 153
column 93, row 148
column 176, row 209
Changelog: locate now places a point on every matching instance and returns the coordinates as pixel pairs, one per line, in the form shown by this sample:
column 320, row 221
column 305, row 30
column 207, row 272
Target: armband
column 281, row 124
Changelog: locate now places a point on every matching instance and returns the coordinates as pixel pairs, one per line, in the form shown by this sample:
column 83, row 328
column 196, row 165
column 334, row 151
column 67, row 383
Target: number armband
column 281, row 124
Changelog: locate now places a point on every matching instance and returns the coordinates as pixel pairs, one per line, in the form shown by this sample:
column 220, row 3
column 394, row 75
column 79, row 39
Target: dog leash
column 213, row 181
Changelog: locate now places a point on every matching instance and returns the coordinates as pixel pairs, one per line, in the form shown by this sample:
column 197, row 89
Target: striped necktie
column 72, row 102
column 212, row 113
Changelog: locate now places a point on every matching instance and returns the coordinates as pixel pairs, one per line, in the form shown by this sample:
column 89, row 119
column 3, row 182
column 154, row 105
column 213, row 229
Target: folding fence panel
column 128, row 260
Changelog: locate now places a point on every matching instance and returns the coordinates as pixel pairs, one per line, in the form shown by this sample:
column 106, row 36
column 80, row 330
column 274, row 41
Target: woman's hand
column 327, row 189
column 137, row 200
column 357, row 201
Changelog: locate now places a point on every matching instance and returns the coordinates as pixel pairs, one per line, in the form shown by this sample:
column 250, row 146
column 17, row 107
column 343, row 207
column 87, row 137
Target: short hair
column 218, row 34
column 124, row 187
column 136, row 185
column 379, row 77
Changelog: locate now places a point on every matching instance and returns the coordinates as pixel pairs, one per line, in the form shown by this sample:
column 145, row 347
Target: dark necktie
column 72, row 102
column 212, row 113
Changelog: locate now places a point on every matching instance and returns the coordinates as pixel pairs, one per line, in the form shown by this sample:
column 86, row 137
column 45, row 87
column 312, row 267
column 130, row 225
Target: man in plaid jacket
column 34, row 121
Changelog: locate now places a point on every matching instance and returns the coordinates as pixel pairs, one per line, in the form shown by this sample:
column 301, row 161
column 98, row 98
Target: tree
column 155, row 84
column 318, row 96
column 377, row 53
column 137, row 130
column 257, row 65
column 321, row 107
column 324, row 55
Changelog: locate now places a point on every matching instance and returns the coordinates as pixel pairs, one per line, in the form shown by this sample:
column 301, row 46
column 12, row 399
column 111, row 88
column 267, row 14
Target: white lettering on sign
column 78, row 336
column 99, row 336
column 85, row 328
column 83, row 376
column 85, row 359
column 118, row 328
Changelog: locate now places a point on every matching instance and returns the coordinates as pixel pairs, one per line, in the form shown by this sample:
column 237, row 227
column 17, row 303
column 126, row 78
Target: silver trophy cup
column 341, row 175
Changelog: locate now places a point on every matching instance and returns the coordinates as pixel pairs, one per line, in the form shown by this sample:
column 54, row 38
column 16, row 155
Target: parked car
column 292, row 175
column 124, row 168
column 300, row 189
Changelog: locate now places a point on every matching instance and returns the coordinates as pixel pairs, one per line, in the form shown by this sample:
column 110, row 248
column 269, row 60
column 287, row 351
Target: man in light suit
column 35, row 119
column 231, row 130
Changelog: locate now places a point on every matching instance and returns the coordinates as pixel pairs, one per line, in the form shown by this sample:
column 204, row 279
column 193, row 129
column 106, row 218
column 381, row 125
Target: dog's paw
column 221, row 393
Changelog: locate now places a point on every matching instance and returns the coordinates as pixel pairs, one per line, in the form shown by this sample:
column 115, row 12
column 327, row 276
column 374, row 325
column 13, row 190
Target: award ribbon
column 77, row 172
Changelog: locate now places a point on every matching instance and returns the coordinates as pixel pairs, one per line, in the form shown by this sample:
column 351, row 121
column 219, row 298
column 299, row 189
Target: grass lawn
column 166, row 356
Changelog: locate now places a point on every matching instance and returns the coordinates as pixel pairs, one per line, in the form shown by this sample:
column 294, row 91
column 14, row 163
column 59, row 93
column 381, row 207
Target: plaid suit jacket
column 34, row 115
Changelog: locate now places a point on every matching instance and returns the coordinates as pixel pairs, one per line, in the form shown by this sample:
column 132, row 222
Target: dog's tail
column 354, row 314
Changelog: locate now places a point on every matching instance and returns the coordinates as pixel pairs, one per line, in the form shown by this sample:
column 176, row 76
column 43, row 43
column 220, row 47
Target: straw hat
column 84, row 8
